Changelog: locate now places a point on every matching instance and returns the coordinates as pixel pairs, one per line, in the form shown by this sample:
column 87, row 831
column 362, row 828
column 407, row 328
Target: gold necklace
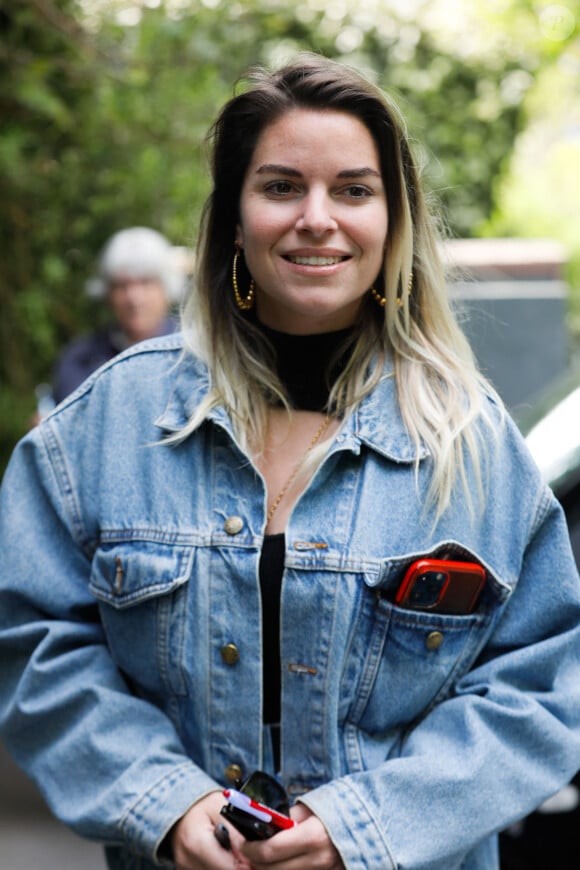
column 319, row 433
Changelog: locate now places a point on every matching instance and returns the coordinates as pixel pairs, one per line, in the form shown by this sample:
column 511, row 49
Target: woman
column 205, row 554
column 139, row 281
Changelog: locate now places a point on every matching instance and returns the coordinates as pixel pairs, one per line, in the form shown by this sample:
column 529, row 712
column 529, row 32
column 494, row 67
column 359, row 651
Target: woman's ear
column 239, row 236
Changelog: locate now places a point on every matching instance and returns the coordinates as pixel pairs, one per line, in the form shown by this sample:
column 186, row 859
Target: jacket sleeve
column 109, row 764
column 505, row 739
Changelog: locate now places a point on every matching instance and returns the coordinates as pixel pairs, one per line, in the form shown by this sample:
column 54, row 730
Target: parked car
column 550, row 837
column 552, row 431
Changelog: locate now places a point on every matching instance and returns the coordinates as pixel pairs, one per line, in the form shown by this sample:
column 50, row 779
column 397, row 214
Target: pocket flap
column 126, row 574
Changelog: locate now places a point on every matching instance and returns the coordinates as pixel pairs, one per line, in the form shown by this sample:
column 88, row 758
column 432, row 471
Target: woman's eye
column 279, row 188
column 358, row 191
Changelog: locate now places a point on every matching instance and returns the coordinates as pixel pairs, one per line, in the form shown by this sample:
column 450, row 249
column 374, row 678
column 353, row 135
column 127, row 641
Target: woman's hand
column 194, row 844
column 305, row 847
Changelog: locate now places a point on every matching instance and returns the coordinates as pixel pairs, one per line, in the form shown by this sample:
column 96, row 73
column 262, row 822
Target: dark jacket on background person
column 86, row 354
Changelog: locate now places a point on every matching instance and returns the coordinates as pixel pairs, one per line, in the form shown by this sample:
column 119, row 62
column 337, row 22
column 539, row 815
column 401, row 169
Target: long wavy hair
column 440, row 390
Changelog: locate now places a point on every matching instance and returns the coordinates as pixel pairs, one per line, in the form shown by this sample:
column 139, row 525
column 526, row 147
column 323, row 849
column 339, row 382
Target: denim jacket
column 130, row 639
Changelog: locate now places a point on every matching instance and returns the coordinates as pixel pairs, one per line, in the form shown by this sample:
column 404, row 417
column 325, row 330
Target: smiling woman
column 284, row 154
column 313, row 220
column 283, row 545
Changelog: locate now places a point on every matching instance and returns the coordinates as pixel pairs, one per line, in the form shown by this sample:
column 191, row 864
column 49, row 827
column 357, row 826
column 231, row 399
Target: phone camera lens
column 427, row 590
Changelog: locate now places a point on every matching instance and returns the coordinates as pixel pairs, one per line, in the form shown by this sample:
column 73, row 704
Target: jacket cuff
column 351, row 826
column 149, row 821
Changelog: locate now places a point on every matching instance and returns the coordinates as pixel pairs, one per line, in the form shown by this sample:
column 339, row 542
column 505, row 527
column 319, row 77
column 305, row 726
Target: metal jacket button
column 233, row 773
column 230, row 654
column 234, row 525
column 434, row 640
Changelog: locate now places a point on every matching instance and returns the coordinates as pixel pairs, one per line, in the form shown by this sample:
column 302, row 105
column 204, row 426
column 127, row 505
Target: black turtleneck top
column 307, row 365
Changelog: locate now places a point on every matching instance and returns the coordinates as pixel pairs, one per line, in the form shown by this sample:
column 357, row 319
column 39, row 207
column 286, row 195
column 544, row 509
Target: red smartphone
column 253, row 819
column 441, row 586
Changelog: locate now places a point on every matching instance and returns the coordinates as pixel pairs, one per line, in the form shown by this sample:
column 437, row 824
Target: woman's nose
column 316, row 216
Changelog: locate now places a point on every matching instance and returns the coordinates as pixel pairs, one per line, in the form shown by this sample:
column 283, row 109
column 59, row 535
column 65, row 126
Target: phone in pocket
column 441, row 586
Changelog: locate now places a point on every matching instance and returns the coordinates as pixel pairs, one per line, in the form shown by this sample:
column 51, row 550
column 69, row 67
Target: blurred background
column 105, row 104
column 104, row 107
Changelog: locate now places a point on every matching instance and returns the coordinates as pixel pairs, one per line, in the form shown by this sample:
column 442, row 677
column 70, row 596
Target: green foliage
column 539, row 198
column 103, row 121
column 48, row 71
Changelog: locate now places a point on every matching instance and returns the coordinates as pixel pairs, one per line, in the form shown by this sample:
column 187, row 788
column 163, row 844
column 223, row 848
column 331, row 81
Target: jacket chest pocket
column 141, row 588
column 409, row 659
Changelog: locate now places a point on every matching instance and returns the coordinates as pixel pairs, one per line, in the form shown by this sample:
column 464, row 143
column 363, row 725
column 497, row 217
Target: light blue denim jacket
column 128, row 565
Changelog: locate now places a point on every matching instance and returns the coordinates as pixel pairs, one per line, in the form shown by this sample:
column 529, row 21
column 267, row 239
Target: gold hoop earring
column 382, row 300
column 248, row 302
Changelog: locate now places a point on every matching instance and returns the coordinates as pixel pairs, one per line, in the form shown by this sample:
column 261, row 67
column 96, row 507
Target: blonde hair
column 440, row 390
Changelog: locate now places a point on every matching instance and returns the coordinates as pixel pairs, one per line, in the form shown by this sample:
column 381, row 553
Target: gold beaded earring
column 248, row 302
column 382, row 300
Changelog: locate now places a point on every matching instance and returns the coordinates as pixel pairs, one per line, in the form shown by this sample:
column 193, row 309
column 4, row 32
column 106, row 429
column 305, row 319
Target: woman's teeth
column 315, row 261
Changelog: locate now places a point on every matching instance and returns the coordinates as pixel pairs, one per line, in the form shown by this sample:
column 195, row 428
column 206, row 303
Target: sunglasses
column 258, row 808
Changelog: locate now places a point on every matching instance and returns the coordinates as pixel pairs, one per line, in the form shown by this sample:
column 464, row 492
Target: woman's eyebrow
column 359, row 172
column 278, row 169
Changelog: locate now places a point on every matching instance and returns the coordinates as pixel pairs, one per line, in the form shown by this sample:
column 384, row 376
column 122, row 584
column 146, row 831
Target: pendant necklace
column 318, row 435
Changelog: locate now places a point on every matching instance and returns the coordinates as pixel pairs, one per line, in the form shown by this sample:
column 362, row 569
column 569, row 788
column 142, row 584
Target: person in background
column 247, row 551
column 139, row 279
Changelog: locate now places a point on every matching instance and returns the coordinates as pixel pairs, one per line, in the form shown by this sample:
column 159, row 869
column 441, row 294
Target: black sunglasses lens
column 265, row 789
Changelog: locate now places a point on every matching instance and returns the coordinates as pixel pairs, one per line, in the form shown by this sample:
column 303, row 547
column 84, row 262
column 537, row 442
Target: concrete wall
column 511, row 298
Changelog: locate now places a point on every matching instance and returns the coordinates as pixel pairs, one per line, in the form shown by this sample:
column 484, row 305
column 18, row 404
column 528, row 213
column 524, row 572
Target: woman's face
column 313, row 220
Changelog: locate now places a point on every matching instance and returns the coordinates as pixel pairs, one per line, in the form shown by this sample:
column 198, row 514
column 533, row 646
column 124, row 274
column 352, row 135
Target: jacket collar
column 377, row 422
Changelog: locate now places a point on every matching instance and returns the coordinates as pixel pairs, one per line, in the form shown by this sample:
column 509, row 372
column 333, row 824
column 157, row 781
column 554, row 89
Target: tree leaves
column 103, row 127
